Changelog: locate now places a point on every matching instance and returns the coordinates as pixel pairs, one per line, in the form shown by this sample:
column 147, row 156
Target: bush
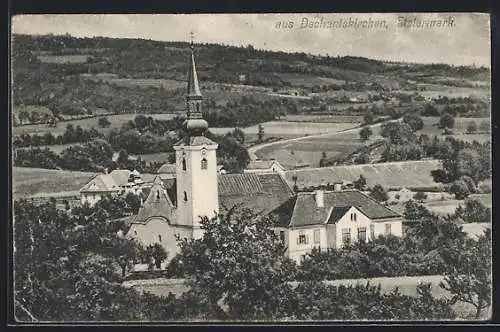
column 460, row 189
column 471, row 127
column 379, row 193
column 420, row 196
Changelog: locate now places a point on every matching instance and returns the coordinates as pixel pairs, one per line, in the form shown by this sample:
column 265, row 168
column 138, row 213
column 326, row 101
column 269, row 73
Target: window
column 197, row 107
column 204, row 163
column 282, row 236
column 302, row 239
column 362, row 234
column 158, row 195
column 387, row 229
column 372, row 232
column 183, row 164
column 159, row 238
column 316, row 236
column 353, row 216
column 185, row 197
column 346, row 235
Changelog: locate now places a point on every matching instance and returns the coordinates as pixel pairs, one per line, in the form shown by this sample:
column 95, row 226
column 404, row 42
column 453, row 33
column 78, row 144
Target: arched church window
column 159, row 238
column 185, row 197
column 204, row 163
column 183, row 164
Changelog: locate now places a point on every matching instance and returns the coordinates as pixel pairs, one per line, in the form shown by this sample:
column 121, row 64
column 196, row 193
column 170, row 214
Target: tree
column 415, row 211
column 260, row 133
column 237, row 268
column 460, row 189
column 397, row 132
column 446, row 121
column 360, row 183
column 484, row 126
column 471, row 280
column 103, row 122
column 365, row 133
column 239, row 135
column 159, row 254
column 471, row 127
column 368, row 118
column 322, row 161
column 379, row 193
column 420, row 196
column 473, row 211
column 414, row 121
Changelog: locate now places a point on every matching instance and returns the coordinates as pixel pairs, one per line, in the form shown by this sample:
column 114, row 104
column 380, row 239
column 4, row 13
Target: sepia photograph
column 251, row 167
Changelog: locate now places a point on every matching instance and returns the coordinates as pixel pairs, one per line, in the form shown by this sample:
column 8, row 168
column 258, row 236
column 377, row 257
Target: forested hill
column 220, row 63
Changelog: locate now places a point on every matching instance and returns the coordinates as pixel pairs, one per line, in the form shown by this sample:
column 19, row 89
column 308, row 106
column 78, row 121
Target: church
column 175, row 204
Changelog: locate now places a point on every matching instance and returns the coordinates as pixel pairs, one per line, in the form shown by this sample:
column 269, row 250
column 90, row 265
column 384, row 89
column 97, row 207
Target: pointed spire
column 193, row 86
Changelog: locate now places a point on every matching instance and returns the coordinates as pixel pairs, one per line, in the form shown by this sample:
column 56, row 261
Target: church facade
column 176, row 203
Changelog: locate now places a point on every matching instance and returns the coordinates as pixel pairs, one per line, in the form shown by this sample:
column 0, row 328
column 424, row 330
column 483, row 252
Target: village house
column 194, row 187
column 265, row 166
column 331, row 219
column 117, row 182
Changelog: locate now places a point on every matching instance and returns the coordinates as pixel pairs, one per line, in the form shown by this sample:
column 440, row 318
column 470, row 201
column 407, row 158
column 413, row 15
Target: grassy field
column 116, row 122
column 460, row 129
column 410, row 174
column 324, row 118
column 435, row 90
column 308, row 151
column 308, row 81
column 62, row 59
column 290, row 129
column 138, row 82
column 37, row 181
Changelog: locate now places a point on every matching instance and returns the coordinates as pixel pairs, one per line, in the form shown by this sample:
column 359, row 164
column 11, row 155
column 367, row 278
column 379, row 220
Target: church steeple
column 195, row 124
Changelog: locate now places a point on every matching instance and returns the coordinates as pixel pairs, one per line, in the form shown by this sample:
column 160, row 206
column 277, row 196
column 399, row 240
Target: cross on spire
column 192, row 39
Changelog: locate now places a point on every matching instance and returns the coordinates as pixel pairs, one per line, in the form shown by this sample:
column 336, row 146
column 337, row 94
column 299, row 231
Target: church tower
column 196, row 162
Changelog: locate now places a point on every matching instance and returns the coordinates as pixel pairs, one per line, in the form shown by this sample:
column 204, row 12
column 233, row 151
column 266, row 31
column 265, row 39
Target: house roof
column 195, row 141
column 167, row 168
column 337, row 213
column 261, row 164
column 261, row 193
column 306, row 212
column 158, row 204
column 100, row 183
column 120, row 176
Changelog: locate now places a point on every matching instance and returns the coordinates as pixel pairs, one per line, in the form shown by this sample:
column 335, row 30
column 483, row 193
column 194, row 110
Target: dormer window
column 204, row 164
column 184, row 164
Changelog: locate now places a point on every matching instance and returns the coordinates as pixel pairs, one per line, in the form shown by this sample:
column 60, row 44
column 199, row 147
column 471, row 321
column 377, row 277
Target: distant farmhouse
column 196, row 186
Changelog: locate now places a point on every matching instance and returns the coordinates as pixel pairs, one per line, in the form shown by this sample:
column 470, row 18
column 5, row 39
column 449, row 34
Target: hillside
column 73, row 76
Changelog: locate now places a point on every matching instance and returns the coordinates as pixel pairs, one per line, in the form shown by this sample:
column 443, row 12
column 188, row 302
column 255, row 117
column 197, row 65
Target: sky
column 466, row 41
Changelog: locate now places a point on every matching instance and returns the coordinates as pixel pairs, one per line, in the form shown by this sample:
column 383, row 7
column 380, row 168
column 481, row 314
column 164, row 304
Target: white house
column 119, row 181
column 330, row 219
column 264, row 166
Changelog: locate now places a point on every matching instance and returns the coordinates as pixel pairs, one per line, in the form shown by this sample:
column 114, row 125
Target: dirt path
column 252, row 151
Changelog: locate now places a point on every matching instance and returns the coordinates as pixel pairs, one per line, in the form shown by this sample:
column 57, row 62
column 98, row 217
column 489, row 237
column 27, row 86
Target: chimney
column 320, row 198
column 337, row 187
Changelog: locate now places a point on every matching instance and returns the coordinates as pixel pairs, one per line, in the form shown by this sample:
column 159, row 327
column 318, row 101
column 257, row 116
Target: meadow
column 410, row 174
column 433, row 91
column 116, row 122
column 290, row 129
column 63, row 59
column 39, row 182
column 324, row 118
column 165, row 84
column 308, row 151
